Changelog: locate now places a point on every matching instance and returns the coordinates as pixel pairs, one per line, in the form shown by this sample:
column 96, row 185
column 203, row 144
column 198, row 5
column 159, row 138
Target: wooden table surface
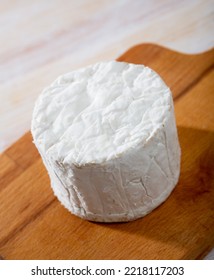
column 43, row 39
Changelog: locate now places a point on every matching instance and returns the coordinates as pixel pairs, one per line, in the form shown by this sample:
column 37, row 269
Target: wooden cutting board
column 34, row 225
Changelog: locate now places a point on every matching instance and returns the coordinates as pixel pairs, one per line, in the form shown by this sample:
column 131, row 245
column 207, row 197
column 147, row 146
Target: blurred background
column 42, row 39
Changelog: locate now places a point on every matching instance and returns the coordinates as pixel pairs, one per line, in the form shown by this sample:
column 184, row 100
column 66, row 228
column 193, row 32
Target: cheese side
column 107, row 136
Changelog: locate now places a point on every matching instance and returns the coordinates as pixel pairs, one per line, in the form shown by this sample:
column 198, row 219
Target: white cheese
column 108, row 138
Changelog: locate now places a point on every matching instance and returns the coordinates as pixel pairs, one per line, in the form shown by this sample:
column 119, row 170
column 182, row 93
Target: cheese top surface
column 94, row 114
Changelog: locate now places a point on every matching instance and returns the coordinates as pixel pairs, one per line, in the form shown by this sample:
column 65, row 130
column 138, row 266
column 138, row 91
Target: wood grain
column 35, row 226
column 8, row 170
column 71, row 34
column 23, row 152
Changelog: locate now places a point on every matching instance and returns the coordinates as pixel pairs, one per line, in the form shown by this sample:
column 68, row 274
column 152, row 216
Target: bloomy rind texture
column 129, row 184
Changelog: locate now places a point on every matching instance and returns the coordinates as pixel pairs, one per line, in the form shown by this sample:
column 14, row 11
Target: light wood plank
column 70, row 34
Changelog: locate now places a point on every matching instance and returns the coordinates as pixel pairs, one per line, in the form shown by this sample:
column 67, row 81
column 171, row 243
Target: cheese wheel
column 107, row 136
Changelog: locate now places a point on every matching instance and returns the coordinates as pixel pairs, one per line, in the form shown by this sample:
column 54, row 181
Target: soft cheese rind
column 108, row 139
